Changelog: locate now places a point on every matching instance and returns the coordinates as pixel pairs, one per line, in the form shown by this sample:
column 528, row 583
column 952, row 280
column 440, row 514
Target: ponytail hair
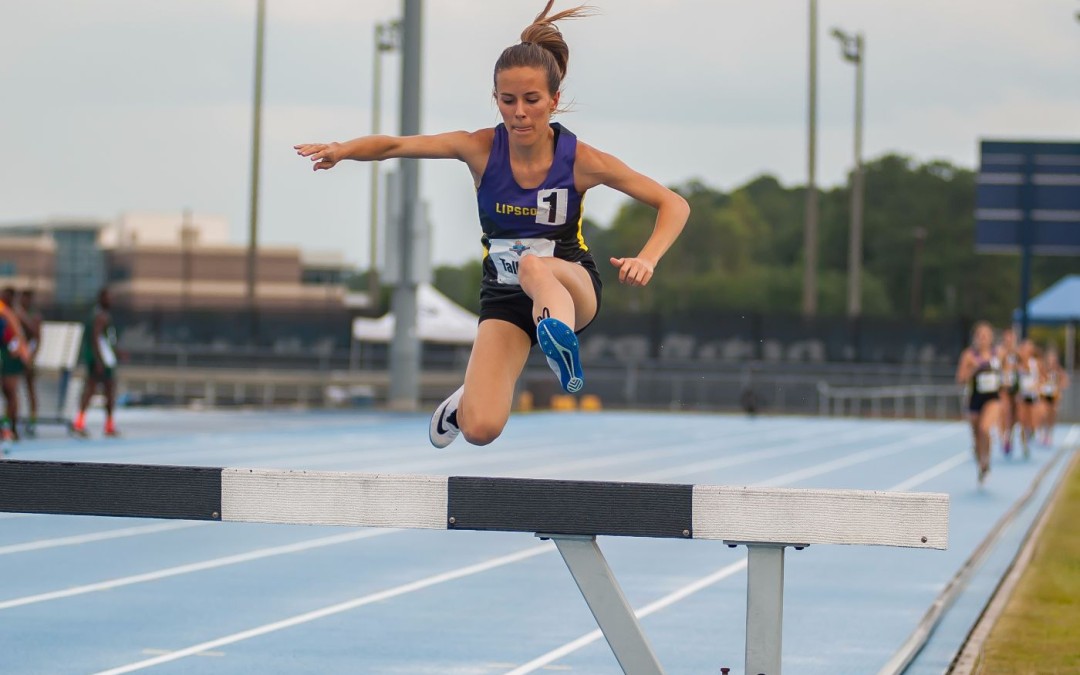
column 542, row 46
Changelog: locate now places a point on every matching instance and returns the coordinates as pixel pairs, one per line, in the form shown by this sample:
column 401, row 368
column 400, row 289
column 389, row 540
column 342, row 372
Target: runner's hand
column 325, row 156
column 633, row 271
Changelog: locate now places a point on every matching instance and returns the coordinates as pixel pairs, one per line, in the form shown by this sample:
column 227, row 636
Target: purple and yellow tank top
column 544, row 221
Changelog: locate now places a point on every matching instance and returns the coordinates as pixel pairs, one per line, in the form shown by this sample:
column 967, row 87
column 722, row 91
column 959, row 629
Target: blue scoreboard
column 1027, row 202
column 1028, row 195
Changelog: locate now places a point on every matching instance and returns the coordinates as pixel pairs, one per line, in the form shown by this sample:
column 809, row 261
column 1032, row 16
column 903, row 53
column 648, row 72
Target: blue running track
column 93, row 595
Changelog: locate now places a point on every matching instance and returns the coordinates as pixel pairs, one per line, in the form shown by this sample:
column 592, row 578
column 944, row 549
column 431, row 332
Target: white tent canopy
column 439, row 320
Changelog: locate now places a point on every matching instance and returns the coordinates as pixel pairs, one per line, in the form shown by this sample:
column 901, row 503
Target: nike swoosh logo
column 439, row 425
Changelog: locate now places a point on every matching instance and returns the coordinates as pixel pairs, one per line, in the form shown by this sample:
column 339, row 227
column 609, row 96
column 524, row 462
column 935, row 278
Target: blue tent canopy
column 1056, row 305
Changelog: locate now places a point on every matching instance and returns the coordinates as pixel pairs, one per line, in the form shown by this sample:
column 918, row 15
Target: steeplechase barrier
column 570, row 513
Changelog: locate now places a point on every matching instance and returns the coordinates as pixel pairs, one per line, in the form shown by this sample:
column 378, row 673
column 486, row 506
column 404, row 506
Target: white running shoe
column 443, row 428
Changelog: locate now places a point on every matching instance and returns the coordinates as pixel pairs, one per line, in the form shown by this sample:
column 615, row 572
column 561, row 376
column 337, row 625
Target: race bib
column 1028, row 383
column 108, row 356
column 507, row 255
column 988, row 382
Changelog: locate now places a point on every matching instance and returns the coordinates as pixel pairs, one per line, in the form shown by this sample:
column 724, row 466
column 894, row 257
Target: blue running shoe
column 559, row 343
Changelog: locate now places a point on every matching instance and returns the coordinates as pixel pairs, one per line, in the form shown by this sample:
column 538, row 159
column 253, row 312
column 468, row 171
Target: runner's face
column 524, row 103
column 983, row 337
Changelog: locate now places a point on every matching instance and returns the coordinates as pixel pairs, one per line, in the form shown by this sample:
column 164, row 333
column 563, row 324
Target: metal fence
column 860, row 389
column 916, row 400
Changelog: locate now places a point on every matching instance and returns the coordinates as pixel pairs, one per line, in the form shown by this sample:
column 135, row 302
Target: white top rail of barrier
column 743, row 514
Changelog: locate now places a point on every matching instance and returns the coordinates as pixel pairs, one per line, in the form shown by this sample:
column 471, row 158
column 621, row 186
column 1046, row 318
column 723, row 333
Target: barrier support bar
column 764, row 605
column 609, row 607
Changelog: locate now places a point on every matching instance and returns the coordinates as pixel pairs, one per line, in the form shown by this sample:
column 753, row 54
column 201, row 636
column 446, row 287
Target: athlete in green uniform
column 99, row 355
column 30, row 318
column 12, row 362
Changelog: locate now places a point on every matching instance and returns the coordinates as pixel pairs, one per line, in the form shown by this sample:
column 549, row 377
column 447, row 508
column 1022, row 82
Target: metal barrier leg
column 608, row 604
column 764, row 605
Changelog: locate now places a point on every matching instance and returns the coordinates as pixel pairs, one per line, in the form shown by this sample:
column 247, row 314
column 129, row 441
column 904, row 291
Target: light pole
column 853, row 49
column 387, row 39
column 405, row 347
column 253, row 212
column 810, row 229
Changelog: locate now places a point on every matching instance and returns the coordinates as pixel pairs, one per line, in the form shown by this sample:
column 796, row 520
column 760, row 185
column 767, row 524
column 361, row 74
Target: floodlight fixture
column 850, row 45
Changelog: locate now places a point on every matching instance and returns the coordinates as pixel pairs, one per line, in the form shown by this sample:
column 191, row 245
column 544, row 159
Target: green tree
column 743, row 250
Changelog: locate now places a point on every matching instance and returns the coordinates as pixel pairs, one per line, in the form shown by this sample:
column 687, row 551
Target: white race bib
column 1028, row 383
column 507, row 255
column 987, row 382
column 108, row 356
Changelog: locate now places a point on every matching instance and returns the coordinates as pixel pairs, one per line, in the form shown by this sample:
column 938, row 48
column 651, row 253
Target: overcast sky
column 120, row 105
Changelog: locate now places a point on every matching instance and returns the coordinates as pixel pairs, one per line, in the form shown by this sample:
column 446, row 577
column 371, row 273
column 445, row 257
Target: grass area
column 1039, row 631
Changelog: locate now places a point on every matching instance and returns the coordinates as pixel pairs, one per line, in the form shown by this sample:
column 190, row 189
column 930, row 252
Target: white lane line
column 74, row 540
column 934, row 471
column 194, row 567
column 667, row 600
column 530, row 450
column 768, row 452
column 1072, row 437
column 703, row 583
column 152, row 651
column 328, row 452
column 859, row 457
column 338, row 608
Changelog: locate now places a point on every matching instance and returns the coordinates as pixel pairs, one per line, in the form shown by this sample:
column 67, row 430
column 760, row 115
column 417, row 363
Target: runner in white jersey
column 1027, row 369
column 1010, row 386
column 1054, row 381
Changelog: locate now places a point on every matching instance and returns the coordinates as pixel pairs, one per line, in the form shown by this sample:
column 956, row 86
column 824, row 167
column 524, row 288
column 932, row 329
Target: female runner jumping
column 540, row 283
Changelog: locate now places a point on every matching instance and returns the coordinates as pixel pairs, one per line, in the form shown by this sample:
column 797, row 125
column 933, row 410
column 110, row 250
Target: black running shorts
column 510, row 303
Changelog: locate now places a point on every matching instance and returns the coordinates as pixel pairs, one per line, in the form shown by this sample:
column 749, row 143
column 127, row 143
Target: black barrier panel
column 88, row 489
column 570, row 507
